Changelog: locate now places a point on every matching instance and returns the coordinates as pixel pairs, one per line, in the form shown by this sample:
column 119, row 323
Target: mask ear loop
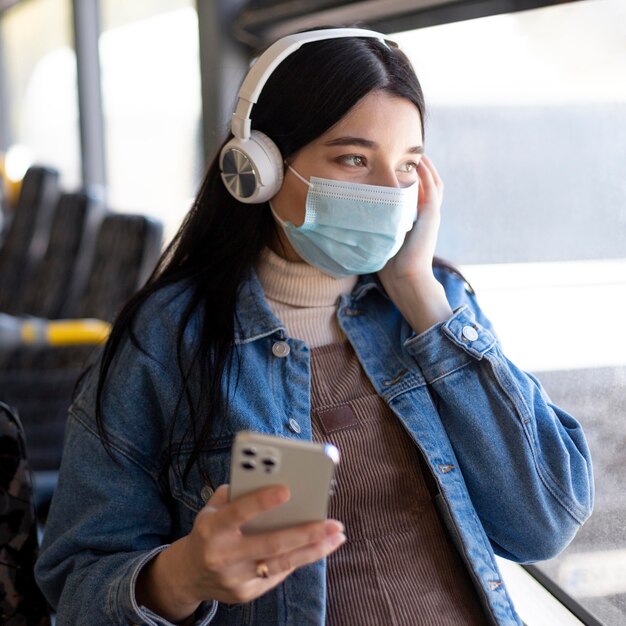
column 282, row 222
column 276, row 216
column 302, row 178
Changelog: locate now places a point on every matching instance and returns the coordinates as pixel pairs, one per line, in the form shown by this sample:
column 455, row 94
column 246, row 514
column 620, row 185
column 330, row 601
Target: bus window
column 40, row 81
column 528, row 129
column 152, row 112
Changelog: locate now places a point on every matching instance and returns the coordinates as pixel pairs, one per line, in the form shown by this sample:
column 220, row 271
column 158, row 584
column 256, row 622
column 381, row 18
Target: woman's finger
column 273, row 544
column 433, row 170
column 427, row 179
column 218, row 499
column 245, row 548
column 236, row 513
column 288, row 562
column 245, row 580
column 431, row 186
column 283, row 564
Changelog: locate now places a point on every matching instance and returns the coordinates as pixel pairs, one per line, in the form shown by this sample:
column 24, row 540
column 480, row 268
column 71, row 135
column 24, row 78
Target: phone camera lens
column 270, row 464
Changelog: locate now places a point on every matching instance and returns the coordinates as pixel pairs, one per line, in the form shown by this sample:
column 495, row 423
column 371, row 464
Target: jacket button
column 469, row 333
column 294, row 426
column 281, row 349
column 206, row 493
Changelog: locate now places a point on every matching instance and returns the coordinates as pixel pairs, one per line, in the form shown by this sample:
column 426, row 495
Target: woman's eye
column 354, row 160
column 409, row 166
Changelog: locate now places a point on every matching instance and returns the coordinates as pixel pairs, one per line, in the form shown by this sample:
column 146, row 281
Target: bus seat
column 126, row 252
column 73, row 231
column 27, row 234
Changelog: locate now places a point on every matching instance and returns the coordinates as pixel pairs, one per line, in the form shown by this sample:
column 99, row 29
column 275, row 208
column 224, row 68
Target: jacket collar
column 367, row 283
column 255, row 319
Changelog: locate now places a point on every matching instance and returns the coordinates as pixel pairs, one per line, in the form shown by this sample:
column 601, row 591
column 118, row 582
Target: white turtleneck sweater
column 303, row 298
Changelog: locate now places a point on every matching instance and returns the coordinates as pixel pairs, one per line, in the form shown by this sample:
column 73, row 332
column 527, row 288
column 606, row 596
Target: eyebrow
column 366, row 143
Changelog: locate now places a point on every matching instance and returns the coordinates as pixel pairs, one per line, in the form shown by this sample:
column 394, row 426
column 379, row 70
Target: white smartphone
column 307, row 468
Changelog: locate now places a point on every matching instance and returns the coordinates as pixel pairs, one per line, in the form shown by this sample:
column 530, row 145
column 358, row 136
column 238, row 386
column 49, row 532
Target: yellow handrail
column 19, row 331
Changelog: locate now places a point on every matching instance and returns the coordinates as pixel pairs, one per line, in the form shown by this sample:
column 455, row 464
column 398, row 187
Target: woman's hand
column 216, row 561
column 414, row 259
column 408, row 277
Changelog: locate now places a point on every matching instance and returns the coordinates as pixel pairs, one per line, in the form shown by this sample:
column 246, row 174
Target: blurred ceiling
column 263, row 21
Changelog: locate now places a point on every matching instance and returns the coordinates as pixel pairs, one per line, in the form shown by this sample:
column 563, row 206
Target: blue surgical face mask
column 351, row 228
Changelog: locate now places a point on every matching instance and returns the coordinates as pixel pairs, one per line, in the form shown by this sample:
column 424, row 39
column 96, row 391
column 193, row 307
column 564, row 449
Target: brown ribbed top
column 398, row 566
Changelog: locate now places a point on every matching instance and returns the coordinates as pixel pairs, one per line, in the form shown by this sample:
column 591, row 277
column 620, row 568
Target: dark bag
column 21, row 601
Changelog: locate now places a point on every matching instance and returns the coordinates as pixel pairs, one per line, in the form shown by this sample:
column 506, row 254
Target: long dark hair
column 220, row 239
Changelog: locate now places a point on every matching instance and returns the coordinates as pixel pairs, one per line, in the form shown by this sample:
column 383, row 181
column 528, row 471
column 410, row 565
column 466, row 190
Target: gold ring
column 261, row 570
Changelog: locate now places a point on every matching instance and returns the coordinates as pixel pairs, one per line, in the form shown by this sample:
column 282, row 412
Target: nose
column 386, row 177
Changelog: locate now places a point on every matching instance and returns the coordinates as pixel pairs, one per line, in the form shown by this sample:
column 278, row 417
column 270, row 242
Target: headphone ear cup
column 272, row 176
column 252, row 169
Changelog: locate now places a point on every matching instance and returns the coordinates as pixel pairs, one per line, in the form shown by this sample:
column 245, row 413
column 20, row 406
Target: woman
column 318, row 314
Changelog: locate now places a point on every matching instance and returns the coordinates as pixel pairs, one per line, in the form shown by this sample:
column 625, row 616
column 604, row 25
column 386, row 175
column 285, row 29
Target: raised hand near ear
column 408, row 277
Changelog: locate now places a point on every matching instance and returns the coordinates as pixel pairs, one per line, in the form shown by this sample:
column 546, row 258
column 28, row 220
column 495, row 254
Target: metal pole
column 223, row 64
column 86, row 34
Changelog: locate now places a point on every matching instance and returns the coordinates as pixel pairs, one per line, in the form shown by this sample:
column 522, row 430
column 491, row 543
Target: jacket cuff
column 448, row 346
column 139, row 615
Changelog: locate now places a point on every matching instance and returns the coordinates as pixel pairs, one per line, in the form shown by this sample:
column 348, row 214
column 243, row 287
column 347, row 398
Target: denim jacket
column 513, row 470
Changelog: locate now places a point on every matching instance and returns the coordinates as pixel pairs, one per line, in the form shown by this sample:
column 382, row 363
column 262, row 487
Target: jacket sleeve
column 110, row 512
column 524, row 460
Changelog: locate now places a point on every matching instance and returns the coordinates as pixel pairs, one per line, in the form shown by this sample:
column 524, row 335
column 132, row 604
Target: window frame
column 568, row 601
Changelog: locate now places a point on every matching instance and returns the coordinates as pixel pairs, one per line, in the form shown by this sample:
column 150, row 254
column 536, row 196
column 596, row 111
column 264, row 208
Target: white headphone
column 251, row 163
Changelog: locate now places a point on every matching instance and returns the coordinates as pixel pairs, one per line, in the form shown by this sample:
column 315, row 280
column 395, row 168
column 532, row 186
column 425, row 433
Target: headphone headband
column 272, row 57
